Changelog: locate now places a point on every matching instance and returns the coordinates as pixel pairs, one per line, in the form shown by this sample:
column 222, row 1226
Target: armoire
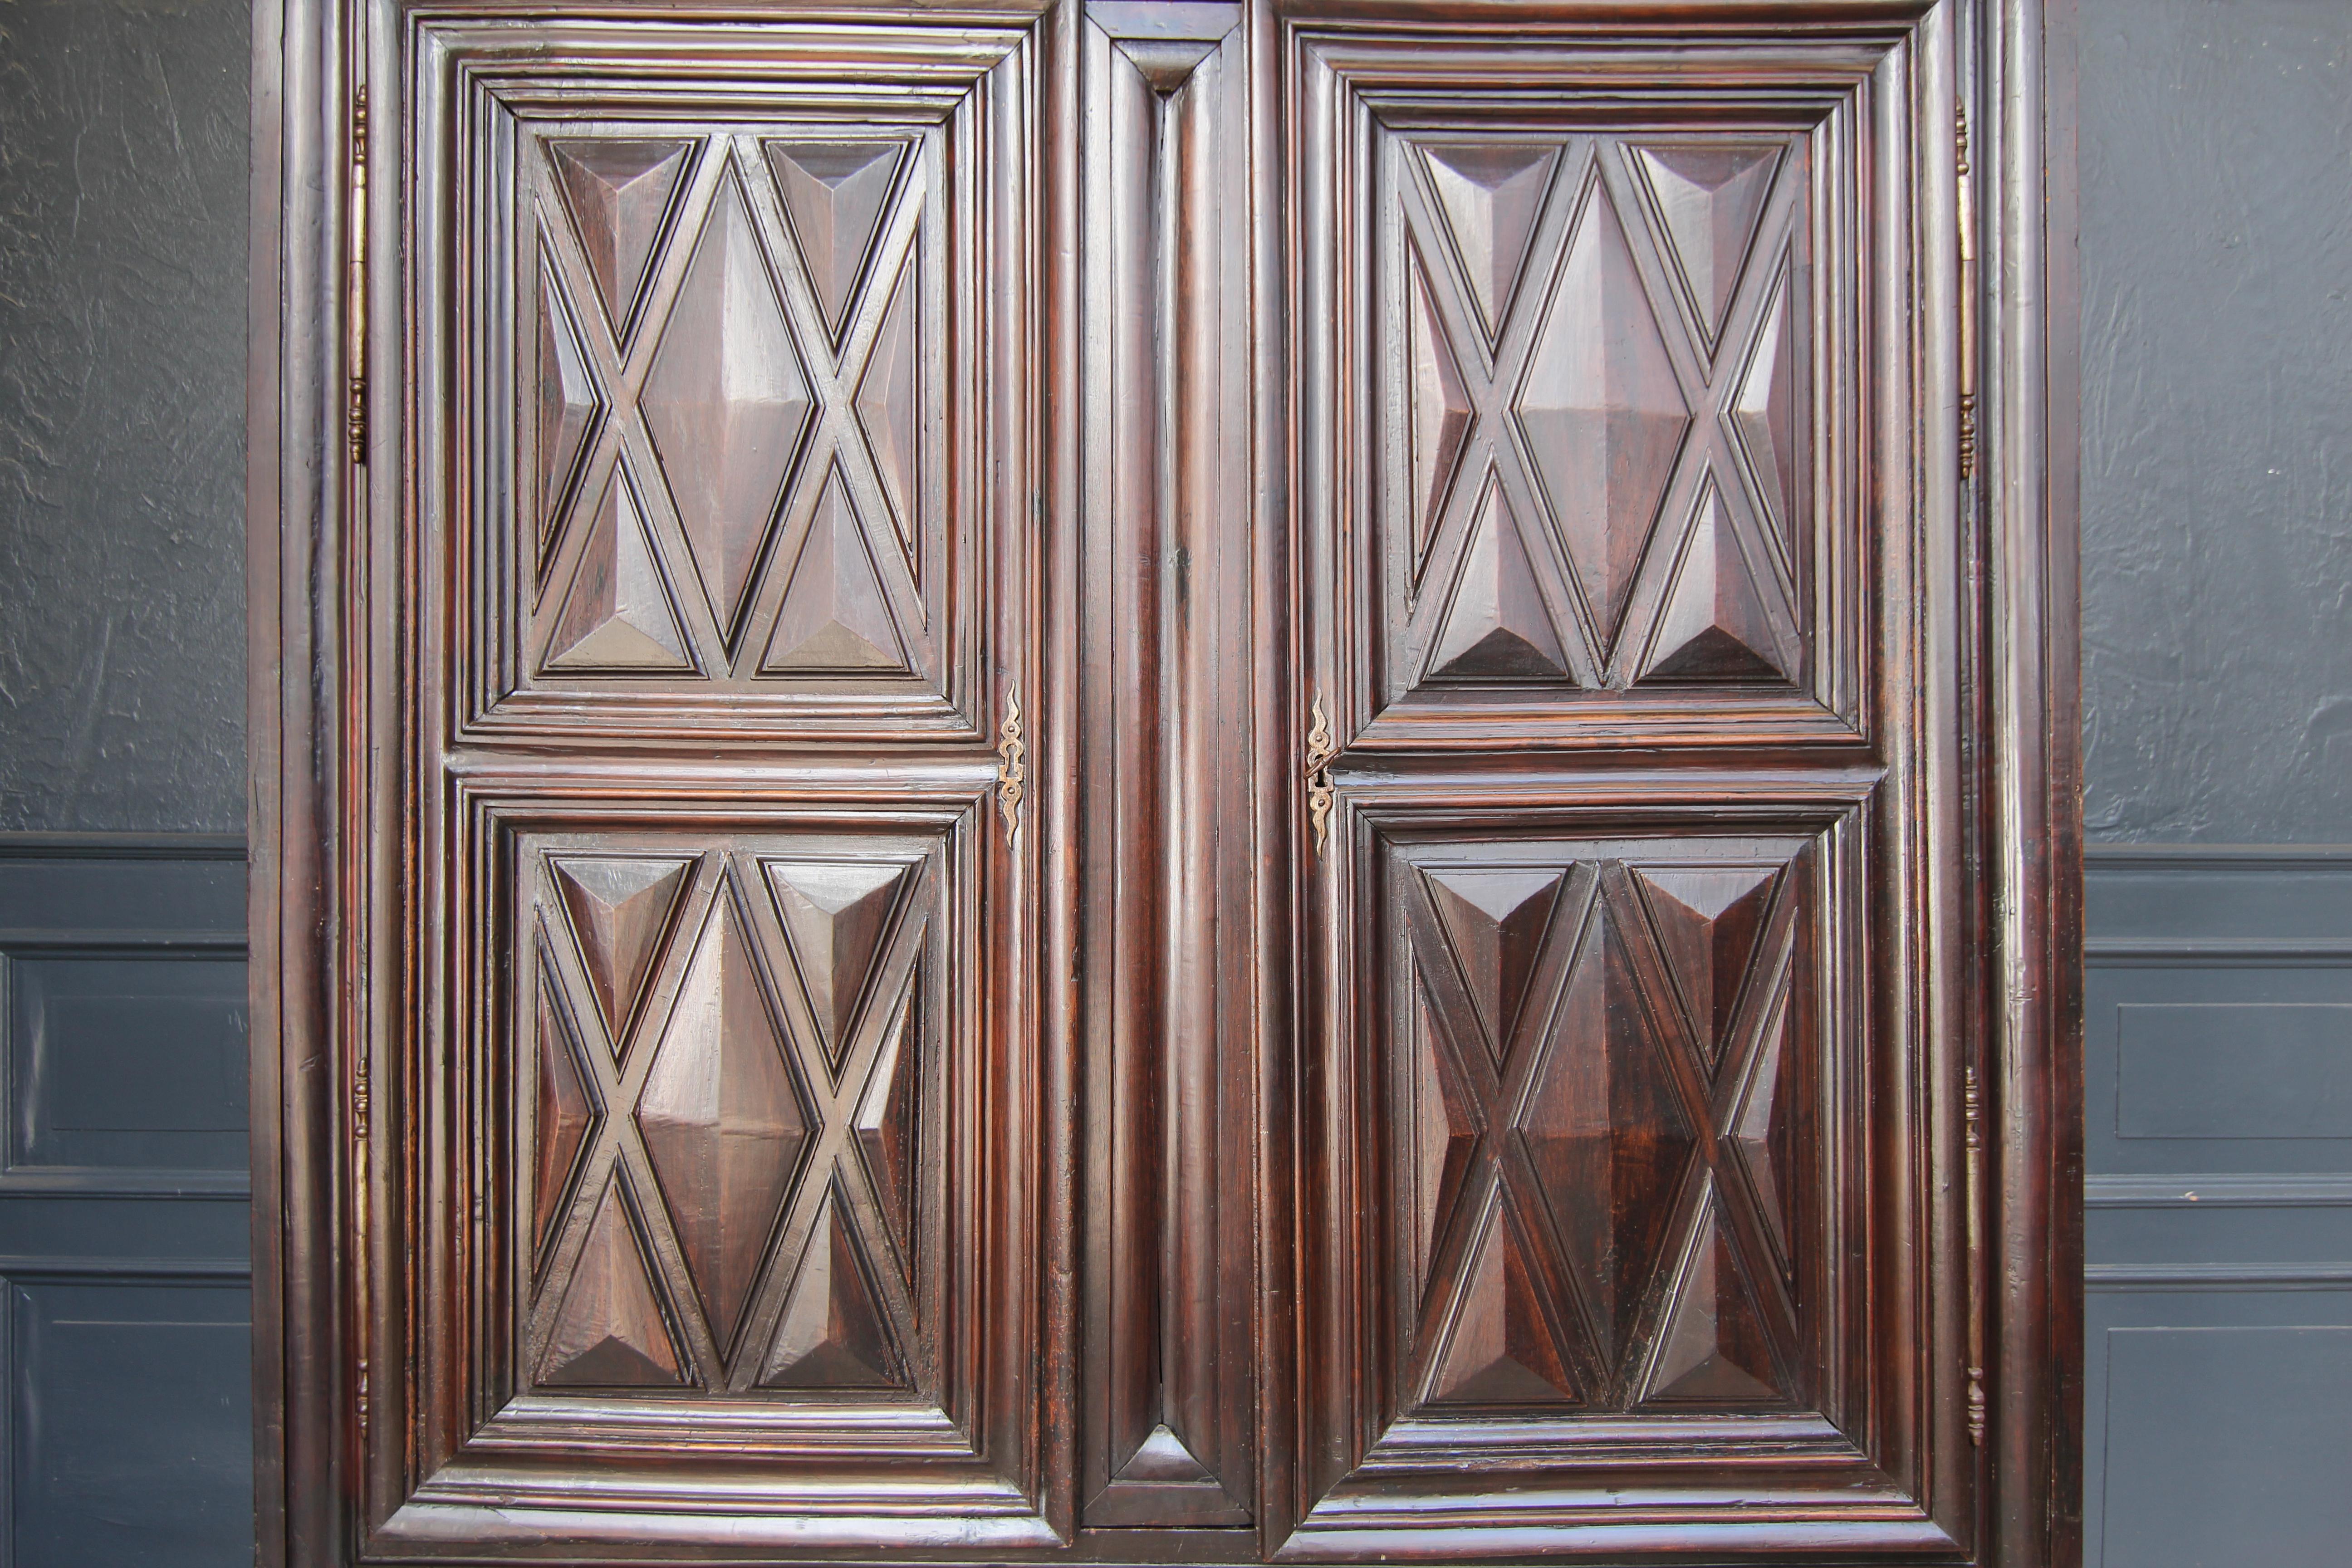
column 1164, row 781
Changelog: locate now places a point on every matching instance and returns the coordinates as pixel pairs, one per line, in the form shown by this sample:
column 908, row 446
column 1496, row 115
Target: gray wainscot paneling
column 125, row 1335
column 2218, row 1043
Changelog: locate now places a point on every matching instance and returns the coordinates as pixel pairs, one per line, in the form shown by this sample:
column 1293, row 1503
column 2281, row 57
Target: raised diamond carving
column 1764, row 1130
column 1499, row 1348
column 836, row 914
column 616, row 618
column 1764, row 414
column 1495, row 920
column 568, row 400
column 1605, row 1131
column 889, row 408
column 1602, row 413
column 1441, row 415
column 886, row 1127
column 1492, row 197
column 610, row 1332
column 1497, row 627
column 834, row 1333
column 835, row 619
column 1443, row 1138
column 619, row 908
column 726, row 402
column 563, row 1117
column 1713, row 1349
column 619, row 193
column 1715, row 627
column 1163, row 1456
column 833, row 193
column 1707, row 920
column 721, row 1123
column 1711, row 196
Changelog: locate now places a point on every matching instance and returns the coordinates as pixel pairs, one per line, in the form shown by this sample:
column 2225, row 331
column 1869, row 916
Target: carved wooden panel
column 1597, row 465
column 739, row 371
column 1618, row 570
column 1176, row 996
column 735, row 1050
column 707, row 1162
column 1602, row 1084
column 734, row 1064
column 1157, row 781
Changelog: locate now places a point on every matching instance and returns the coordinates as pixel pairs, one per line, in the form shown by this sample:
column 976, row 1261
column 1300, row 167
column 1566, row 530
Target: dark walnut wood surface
column 1161, row 782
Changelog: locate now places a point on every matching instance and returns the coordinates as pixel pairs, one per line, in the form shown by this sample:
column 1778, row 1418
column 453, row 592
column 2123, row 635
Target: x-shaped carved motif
column 1493, row 375
column 834, row 440
column 831, row 1167
column 1692, row 1093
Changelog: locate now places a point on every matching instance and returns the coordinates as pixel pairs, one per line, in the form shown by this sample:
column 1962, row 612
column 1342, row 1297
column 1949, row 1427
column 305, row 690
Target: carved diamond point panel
column 620, row 908
column 1492, row 195
column 1602, row 411
column 836, row 618
column 1495, row 920
column 888, row 1126
column 620, row 193
column 617, row 614
column 834, row 1333
column 610, row 1329
column 569, row 403
column 1710, row 196
column 1443, row 1138
column 723, row 1123
column 1716, row 624
column 835, row 915
column 1764, row 414
column 726, row 402
column 1548, row 1198
column 1442, row 414
column 773, row 1180
column 566, row 1112
column 1712, row 1346
column 1499, row 1346
column 890, row 409
column 742, row 483
column 834, row 194
column 1496, row 625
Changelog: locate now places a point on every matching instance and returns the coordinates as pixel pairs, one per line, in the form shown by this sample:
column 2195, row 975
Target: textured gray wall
column 2217, row 419
column 122, row 219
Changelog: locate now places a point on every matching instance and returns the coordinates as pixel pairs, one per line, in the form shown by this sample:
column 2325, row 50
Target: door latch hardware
column 1319, row 752
column 1012, row 776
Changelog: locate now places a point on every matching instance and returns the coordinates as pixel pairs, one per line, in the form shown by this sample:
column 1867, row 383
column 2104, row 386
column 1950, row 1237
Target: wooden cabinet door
column 700, row 1060
column 1633, row 551
column 1159, row 781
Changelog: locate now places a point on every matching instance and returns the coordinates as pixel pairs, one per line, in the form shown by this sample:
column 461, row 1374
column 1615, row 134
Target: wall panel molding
column 124, row 1199
column 2219, row 1266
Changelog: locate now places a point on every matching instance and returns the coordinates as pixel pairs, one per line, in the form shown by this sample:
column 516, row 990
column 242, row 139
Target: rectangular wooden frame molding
column 1163, row 781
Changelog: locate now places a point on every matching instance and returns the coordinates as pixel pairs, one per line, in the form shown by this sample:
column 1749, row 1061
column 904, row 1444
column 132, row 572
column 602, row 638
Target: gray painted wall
column 124, row 134
column 2217, row 419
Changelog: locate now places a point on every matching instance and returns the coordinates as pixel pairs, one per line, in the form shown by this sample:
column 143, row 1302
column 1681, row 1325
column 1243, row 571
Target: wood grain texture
column 706, row 1131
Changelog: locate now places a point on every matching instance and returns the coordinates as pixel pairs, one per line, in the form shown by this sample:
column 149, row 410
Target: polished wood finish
column 1183, row 781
